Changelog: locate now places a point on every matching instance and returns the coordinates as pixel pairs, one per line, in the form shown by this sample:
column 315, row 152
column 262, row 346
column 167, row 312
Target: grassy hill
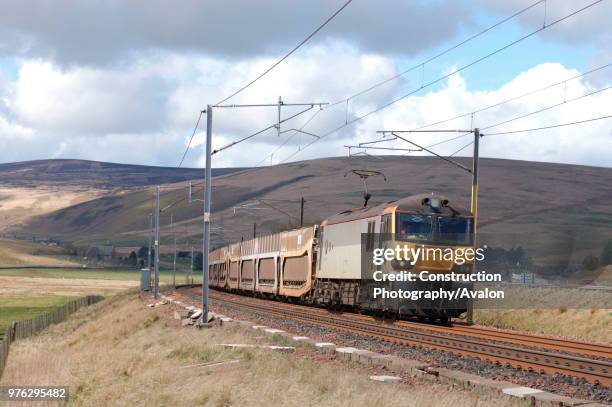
column 94, row 174
column 24, row 253
column 564, row 210
column 35, row 188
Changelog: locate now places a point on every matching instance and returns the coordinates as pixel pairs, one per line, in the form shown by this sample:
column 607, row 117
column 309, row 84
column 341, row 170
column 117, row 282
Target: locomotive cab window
column 455, row 230
column 413, row 227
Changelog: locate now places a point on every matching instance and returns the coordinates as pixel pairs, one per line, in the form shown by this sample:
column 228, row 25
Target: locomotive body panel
column 340, row 248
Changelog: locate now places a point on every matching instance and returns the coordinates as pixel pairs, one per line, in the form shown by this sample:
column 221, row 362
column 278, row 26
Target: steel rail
column 565, row 345
column 518, row 338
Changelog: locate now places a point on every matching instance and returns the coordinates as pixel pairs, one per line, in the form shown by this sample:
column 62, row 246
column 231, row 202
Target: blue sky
column 9, row 67
column 501, row 68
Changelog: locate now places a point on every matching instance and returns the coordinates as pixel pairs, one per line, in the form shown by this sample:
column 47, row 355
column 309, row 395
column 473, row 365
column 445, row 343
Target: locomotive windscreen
column 454, row 230
column 433, row 229
column 414, row 227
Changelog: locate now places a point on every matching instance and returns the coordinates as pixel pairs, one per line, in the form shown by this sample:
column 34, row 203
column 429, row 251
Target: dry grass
column 28, row 286
column 17, row 205
column 565, row 312
column 585, row 324
column 601, row 276
column 22, row 253
column 122, row 353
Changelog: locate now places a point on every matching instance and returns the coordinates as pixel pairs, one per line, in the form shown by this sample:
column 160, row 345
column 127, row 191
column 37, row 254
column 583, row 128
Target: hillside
column 24, row 253
column 38, row 187
column 93, row 174
column 564, row 209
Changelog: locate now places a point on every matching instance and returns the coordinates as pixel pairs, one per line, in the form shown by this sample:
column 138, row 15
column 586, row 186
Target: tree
column 143, row 252
column 590, row 262
column 606, row 254
column 133, row 259
column 198, row 260
column 70, row 249
column 93, row 253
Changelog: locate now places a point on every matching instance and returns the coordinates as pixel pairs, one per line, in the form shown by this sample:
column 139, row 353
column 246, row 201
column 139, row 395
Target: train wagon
column 279, row 264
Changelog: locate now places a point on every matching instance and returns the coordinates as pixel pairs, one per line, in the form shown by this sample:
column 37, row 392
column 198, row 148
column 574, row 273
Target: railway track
column 590, row 362
column 534, row 340
column 510, row 337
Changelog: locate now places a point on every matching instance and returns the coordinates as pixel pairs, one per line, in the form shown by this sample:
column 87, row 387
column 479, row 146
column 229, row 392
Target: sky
column 125, row 81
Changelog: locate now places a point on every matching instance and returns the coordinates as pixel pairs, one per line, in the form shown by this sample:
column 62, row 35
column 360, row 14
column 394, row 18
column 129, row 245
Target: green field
column 16, row 308
column 25, row 306
column 165, row 276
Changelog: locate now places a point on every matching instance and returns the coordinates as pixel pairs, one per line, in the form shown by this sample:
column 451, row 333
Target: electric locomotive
column 329, row 264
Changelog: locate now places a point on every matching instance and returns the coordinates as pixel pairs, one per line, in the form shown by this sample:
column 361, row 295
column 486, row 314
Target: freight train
column 324, row 264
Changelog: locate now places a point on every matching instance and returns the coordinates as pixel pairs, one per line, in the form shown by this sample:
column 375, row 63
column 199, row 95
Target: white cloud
column 591, row 26
column 102, row 33
column 86, row 100
column 162, row 93
column 587, row 144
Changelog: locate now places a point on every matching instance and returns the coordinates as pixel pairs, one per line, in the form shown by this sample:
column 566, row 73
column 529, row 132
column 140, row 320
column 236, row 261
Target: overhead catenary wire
column 319, row 28
column 233, row 143
column 441, row 78
column 548, row 127
column 514, row 118
column 448, row 140
column 546, row 108
column 532, row 92
column 465, row 133
column 434, row 153
column 424, row 170
column 438, row 55
column 262, row 75
column 195, row 130
column 288, row 139
column 514, row 98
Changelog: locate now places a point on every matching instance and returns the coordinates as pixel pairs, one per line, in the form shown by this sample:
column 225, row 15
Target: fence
column 23, row 329
column 5, row 343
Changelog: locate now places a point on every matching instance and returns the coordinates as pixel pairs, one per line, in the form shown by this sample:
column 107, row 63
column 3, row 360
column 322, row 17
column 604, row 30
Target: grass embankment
column 584, row 324
column 565, row 312
column 120, row 352
column 22, row 253
column 16, row 308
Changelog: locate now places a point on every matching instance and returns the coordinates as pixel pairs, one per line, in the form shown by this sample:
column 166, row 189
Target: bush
column 143, row 252
column 606, row 254
column 198, row 259
column 590, row 262
column 133, row 259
